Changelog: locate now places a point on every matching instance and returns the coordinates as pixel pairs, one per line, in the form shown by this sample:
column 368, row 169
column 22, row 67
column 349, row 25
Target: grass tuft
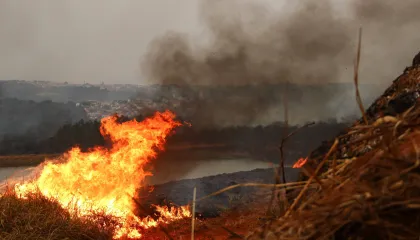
column 38, row 217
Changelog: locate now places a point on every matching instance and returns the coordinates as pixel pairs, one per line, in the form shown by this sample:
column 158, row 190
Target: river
column 170, row 172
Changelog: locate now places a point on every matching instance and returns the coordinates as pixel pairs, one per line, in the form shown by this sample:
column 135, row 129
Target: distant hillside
column 36, row 119
column 42, row 91
column 204, row 106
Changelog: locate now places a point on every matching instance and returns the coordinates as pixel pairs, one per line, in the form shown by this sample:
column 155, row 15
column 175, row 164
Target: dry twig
column 356, row 77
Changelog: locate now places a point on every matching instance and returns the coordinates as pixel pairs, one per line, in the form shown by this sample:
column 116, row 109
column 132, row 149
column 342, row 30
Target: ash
column 180, row 192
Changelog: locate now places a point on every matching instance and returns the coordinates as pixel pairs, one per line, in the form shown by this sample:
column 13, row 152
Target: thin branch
column 285, row 135
column 281, row 169
column 356, row 77
column 193, row 213
column 333, row 147
column 232, row 233
column 283, row 141
column 291, row 185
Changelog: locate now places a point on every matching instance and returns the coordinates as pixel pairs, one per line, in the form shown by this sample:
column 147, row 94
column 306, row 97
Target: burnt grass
column 181, row 192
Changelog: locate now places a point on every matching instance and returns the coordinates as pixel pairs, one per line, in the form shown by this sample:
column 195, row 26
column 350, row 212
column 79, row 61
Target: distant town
column 102, row 100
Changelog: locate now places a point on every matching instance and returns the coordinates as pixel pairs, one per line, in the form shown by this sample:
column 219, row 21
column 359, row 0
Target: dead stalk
column 291, row 185
column 193, row 213
column 356, row 77
column 333, row 147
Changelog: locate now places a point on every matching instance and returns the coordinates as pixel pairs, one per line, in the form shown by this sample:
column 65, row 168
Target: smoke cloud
column 309, row 47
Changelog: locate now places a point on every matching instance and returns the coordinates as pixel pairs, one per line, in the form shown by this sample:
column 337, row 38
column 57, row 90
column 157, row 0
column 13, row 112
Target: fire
column 106, row 179
column 300, row 162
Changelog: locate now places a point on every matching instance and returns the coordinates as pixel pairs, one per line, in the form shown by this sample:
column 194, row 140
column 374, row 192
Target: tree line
column 86, row 134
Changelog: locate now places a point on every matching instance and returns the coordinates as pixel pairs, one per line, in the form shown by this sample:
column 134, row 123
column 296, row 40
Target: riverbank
column 29, row 160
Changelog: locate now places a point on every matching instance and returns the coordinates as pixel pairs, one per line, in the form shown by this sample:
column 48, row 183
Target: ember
column 300, row 162
column 106, row 179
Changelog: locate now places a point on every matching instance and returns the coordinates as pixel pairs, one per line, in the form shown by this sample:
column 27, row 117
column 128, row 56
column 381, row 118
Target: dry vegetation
column 373, row 196
column 366, row 183
column 40, row 218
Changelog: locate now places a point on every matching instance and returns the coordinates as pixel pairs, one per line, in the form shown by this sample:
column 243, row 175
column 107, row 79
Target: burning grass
column 106, row 180
column 38, row 217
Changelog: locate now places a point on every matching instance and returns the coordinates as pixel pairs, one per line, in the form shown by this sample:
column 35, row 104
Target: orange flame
column 300, row 162
column 107, row 179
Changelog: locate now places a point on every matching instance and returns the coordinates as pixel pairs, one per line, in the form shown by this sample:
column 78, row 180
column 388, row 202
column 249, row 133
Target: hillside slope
column 403, row 93
column 365, row 183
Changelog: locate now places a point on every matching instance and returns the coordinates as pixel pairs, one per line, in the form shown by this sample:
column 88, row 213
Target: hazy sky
column 95, row 40
column 88, row 40
column 85, row 40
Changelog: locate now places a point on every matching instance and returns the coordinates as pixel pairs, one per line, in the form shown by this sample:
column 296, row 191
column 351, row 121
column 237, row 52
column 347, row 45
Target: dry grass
column 366, row 185
column 374, row 196
column 39, row 218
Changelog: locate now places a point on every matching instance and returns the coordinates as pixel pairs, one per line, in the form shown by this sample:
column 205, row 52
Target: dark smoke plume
column 310, row 46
